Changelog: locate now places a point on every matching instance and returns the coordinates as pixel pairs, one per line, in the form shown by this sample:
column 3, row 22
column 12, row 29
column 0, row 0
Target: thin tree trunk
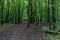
column 53, row 14
column 19, row 17
column 36, row 14
column 28, row 12
column 32, row 14
column 48, row 15
column 7, row 14
column 2, row 3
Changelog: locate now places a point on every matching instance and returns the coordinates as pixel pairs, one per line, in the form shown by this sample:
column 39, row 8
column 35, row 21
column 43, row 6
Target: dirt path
column 20, row 32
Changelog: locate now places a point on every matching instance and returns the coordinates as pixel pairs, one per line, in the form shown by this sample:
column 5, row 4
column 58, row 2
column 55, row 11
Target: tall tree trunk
column 40, row 11
column 19, row 15
column 48, row 15
column 35, row 14
column 2, row 3
column 8, row 12
column 29, row 12
column 53, row 13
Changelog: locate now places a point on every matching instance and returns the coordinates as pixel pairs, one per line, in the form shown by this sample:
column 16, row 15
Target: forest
column 31, row 11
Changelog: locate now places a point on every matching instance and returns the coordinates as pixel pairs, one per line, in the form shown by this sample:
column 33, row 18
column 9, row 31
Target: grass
column 56, row 33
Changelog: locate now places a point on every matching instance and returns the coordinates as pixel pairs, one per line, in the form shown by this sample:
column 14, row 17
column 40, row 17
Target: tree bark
column 53, row 14
column 2, row 3
column 19, row 17
column 8, row 11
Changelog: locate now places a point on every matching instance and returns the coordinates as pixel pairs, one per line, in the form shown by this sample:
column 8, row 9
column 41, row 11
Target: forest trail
column 20, row 32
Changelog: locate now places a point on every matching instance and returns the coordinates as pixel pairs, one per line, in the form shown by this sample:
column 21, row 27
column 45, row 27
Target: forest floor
column 21, row 32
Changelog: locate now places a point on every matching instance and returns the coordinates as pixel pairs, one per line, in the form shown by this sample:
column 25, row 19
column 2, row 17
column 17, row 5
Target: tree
column 30, row 13
column 40, row 10
column 2, row 3
column 8, row 11
column 48, row 15
column 53, row 13
column 19, row 17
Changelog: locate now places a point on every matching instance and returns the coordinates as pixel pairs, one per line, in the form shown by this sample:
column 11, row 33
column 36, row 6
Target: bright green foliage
column 10, row 10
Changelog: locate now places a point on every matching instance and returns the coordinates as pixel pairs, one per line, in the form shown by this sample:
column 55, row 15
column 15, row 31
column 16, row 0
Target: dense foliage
column 33, row 11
